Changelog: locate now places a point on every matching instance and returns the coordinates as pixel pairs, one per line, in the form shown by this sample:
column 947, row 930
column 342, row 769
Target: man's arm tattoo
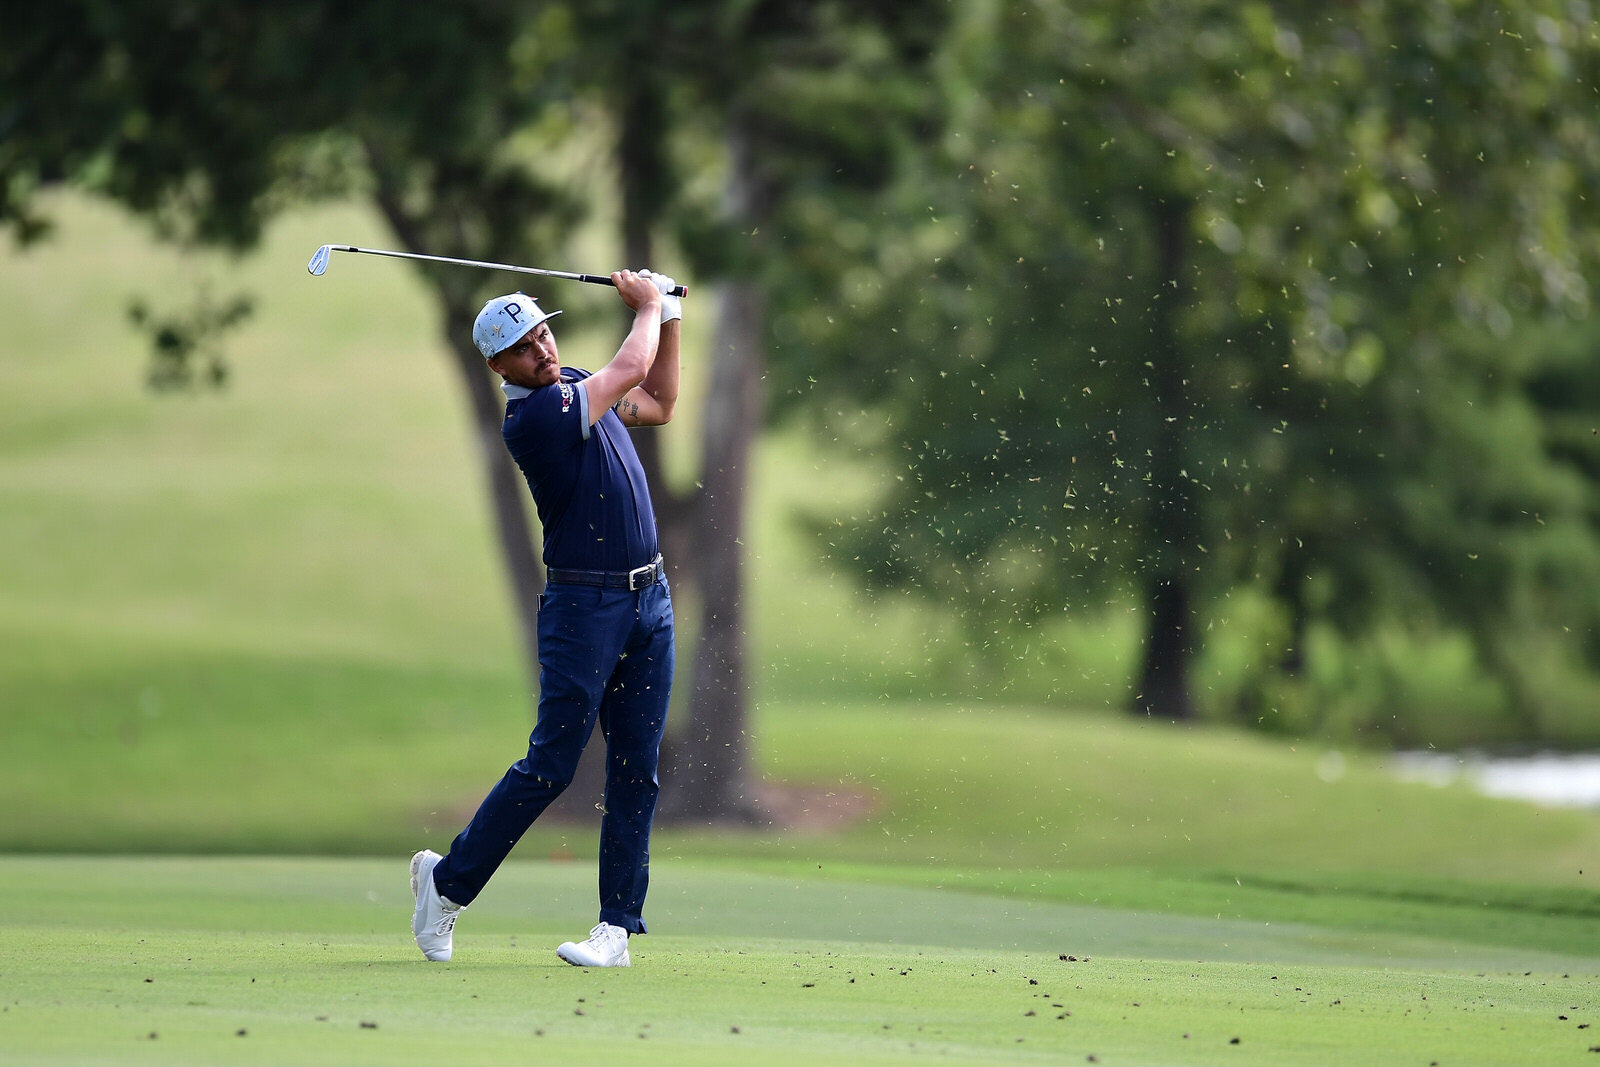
column 626, row 408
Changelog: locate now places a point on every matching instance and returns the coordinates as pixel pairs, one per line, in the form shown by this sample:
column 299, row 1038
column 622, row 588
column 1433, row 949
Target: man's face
column 532, row 362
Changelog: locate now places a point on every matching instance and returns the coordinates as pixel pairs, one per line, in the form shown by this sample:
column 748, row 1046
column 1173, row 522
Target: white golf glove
column 671, row 306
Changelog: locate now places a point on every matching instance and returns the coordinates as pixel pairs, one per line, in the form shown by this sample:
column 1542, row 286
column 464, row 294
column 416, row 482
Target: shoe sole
column 624, row 962
column 416, row 870
column 416, row 867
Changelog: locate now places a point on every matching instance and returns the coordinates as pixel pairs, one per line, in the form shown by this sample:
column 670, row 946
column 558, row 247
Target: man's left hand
column 671, row 306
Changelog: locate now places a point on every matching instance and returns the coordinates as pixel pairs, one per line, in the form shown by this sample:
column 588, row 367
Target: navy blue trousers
column 606, row 656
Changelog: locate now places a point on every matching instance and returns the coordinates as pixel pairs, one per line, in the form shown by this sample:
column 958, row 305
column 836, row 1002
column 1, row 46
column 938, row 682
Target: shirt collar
column 515, row 392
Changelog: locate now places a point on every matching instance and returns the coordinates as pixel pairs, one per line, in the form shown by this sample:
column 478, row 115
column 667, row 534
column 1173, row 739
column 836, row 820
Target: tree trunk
column 1164, row 684
column 1164, row 690
column 706, row 777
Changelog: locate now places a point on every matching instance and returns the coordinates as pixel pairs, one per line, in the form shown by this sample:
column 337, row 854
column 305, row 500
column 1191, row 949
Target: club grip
column 605, row 279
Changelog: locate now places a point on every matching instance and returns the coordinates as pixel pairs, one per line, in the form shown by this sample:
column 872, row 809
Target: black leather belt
column 633, row 581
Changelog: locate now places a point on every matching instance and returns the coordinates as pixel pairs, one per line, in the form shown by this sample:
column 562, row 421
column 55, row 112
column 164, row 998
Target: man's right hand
column 636, row 291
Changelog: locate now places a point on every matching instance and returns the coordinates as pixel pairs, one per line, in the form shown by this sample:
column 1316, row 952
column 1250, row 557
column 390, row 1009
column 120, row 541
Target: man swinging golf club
column 605, row 619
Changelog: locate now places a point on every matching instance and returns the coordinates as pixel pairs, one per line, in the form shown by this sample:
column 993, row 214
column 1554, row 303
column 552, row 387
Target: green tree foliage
column 1186, row 302
column 187, row 346
column 1149, row 300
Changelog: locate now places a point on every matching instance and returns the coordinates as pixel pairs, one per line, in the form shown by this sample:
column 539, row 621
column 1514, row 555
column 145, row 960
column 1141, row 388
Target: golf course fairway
column 277, row 960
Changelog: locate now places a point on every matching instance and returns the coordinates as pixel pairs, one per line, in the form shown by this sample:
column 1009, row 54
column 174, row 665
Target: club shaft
column 596, row 279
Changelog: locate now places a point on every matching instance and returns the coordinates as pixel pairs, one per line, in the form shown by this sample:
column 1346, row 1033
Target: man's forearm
column 662, row 380
column 640, row 350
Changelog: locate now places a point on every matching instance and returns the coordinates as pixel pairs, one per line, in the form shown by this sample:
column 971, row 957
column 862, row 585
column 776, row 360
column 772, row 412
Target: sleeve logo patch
column 567, row 393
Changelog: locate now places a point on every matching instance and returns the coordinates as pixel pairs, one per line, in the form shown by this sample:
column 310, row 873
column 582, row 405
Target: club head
column 319, row 262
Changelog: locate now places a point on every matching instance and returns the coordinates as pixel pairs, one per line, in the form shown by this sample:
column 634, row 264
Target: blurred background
column 1111, row 430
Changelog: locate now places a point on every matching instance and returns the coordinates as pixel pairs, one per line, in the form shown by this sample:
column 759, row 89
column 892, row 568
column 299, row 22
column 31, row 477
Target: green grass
column 1027, row 788
column 982, row 787
column 325, row 503
column 258, row 960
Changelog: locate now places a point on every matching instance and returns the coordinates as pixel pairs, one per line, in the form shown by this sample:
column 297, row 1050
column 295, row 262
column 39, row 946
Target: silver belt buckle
column 640, row 577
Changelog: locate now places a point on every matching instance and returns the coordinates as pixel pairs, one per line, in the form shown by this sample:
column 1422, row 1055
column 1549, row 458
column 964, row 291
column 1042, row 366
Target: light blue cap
column 504, row 320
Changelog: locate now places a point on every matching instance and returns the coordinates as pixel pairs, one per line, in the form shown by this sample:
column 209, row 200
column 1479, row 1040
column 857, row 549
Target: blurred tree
column 1178, row 306
column 210, row 117
column 1156, row 299
column 811, row 101
column 779, row 102
column 188, row 346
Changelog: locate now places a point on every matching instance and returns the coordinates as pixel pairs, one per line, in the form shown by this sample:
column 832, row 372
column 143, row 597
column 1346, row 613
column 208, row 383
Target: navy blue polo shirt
column 586, row 480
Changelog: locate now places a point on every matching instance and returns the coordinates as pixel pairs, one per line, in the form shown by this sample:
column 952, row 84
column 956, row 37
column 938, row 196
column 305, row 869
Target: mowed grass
column 179, row 960
column 245, row 754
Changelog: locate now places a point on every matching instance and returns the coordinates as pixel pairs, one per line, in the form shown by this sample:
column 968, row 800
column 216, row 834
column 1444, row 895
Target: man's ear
column 494, row 365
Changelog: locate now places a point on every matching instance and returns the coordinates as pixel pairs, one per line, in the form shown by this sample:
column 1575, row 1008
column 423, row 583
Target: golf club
column 319, row 265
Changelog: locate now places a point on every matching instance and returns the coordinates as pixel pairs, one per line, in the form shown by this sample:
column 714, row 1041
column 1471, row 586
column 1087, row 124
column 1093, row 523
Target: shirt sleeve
column 551, row 419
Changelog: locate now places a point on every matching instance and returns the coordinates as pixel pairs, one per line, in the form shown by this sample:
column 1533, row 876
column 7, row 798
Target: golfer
column 605, row 619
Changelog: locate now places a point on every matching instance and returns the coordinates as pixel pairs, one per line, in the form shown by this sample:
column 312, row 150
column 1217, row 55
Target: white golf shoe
column 433, row 922
column 607, row 947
